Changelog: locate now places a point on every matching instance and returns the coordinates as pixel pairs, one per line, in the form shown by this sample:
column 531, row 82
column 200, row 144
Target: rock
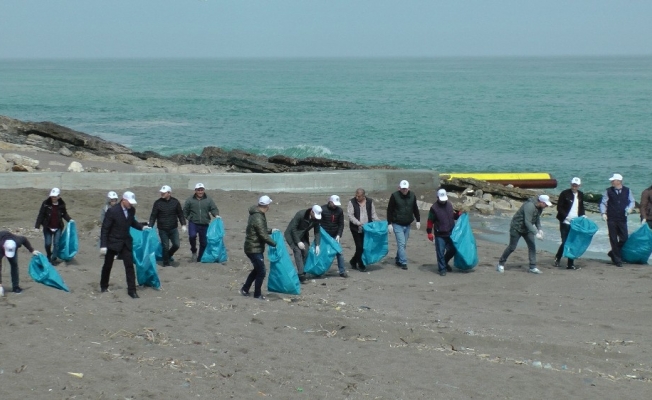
column 423, row 205
column 21, row 168
column 21, row 160
column 500, row 204
column 281, row 159
column 478, row 193
column 453, row 195
column 4, row 165
column 470, row 200
column 484, row 208
column 130, row 159
column 64, row 151
column 75, row 166
column 487, row 197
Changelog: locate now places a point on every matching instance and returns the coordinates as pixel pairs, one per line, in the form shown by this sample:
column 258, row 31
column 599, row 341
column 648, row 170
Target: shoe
column 404, row 267
column 344, row 275
column 166, row 265
column 173, row 264
column 104, row 290
column 193, row 257
column 353, row 265
column 243, row 292
column 2, row 291
column 133, row 295
column 261, row 298
column 449, row 268
column 302, row 278
column 171, row 259
column 611, row 256
column 18, row 290
column 362, row 268
column 500, row 268
column 571, row 267
column 619, row 265
column 535, row 270
column 556, row 263
column 398, row 264
column 442, row 272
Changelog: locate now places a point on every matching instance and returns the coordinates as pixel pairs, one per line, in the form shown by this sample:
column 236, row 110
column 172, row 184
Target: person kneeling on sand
column 256, row 235
column 297, row 235
column 9, row 243
column 50, row 217
column 526, row 223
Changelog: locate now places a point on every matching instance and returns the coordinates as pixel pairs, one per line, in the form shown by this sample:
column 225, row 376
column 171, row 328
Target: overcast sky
column 322, row 28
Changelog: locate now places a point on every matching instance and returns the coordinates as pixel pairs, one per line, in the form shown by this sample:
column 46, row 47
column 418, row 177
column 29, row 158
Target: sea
column 569, row 116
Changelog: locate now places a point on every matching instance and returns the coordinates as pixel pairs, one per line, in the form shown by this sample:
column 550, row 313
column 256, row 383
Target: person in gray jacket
column 198, row 210
column 526, row 223
column 298, row 238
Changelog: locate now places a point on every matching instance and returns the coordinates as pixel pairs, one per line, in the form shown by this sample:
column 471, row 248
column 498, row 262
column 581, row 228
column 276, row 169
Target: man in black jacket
column 297, row 236
column 116, row 240
column 332, row 220
column 166, row 211
column 401, row 211
column 50, row 217
column 569, row 206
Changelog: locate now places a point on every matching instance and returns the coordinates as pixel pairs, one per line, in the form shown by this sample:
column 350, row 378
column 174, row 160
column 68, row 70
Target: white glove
column 390, row 228
column 418, row 225
column 103, row 251
column 316, row 250
column 604, row 217
column 337, row 238
column 643, row 222
column 275, row 230
column 539, row 235
column 301, row 246
column 36, row 253
column 37, row 229
column 184, row 228
column 217, row 217
column 627, row 211
column 146, row 228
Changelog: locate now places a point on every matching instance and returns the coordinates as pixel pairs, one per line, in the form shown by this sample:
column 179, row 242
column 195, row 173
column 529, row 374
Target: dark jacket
column 257, row 233
column 166, row 213
column 565, row 203
column 356, row 211
column 45, row 213
column 402, row 209
column 441, row 218
column 199, row 210
column 646, row 204
column 617, row 203
column 332, row 220
column 115, row 228
column 20, row 241
column 298, row 229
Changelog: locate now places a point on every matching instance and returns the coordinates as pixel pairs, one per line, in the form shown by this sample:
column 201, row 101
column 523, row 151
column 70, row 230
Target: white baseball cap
column 576, row 181
column 112, row 195
column 199, row 185
column 317, row 211
column 615, row 177
column 335, row 199
column 264, row 201
column 404, row 184
column 544, row 198
column 55, row 192
column 10, row 248
column 165, row 189
column 130, row 197
column 441, row 194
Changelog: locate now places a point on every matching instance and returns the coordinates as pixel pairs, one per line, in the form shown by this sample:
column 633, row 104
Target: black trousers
column 127, row 259
column 617, row 237
column 564, row 230
column 358, row 239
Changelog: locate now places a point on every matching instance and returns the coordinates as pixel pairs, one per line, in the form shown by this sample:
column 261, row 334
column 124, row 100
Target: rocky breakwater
column 91, row 153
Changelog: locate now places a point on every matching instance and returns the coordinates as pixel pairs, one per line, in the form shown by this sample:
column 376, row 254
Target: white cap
column 55, row 192
column 130, row 197
column 112, row 195
column 404, row 184
column 317, row 211
column 335, row 199
column 544, row 198
column 615, row 177
column 576, row 181
column 199, row 185
column 10, row 248
column 264, row 201
column 165, row 189
column 441, row 195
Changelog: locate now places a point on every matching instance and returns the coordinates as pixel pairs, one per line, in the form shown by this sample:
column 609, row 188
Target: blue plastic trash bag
column 144, row 253
column 374, row 245
column 638, row 247
column 466, row 257
column 215, row 249
column 68, row 242
column 43, row 272
column 283, row 276
column 328, row 250
column 579, row 238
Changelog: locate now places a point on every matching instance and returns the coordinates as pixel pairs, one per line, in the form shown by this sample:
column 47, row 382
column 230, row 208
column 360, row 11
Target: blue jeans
column 193, row 231
column 51, row 240
column 166, row 237
column 13, row 262
column 402, row 233
column 445, row 251
column 257, row 275
column 340, row 263
column 514, row 237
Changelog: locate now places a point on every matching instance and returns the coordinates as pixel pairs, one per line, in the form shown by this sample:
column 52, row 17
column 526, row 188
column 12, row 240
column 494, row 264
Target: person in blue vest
column 569, row 206
column 360, row 210
column 402, row 210
column 617, row 203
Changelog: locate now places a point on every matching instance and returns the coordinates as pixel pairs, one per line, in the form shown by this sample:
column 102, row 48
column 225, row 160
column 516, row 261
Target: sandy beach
column 383, row 334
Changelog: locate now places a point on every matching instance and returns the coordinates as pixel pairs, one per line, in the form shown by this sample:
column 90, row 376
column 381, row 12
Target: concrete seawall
column 300, row 182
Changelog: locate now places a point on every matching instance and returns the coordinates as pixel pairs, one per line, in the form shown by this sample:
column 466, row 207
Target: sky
column 322, row 28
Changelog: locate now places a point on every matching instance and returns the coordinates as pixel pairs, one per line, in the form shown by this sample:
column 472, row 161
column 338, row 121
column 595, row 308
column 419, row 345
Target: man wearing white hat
column 51, row 216
column 115, row 240
column 198, row 210
column 617, row 203
column 402, row 210
column 569, row 206
column 257, row 235
column 332, row 220
column 166, row 211
column 526, row 223
column 441, row 221
column 297, row 236
column 9, row 243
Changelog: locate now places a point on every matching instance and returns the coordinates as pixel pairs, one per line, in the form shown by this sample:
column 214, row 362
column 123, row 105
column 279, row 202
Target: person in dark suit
column 115, row 240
